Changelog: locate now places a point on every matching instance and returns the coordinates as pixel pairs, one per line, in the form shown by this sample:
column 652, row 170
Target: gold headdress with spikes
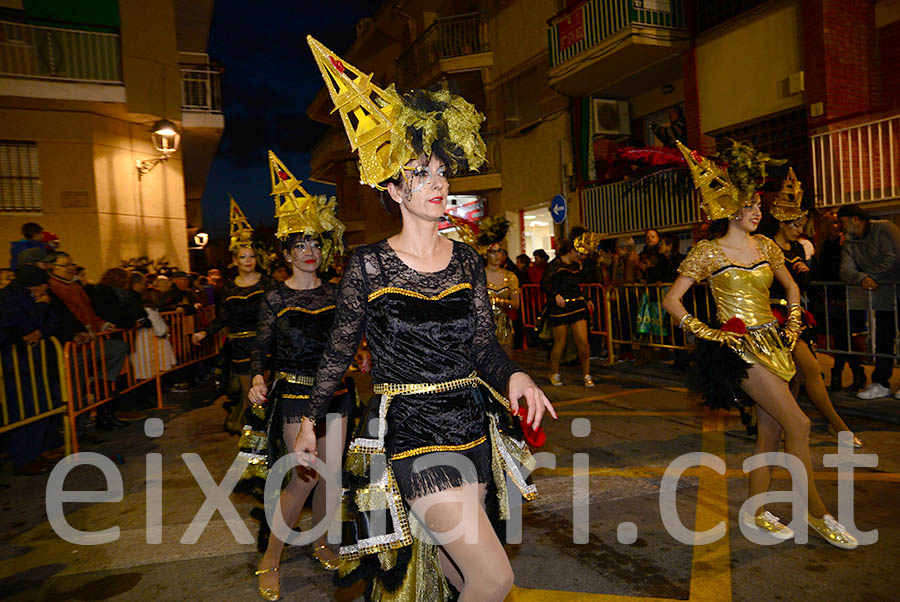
column 786, row 206
column 719, row 197
column 587, row 243
column 241, row 232
column 299, row 212
column 467, row 230
column 388, row 131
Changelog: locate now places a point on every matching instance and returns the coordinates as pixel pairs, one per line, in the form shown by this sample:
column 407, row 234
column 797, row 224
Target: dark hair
column 389, row 204
column 717, row 228
column 117, row 277
column 30, row 229
column 151, row 297
column 134, row 278
column 853, row 211
column 524, row 258
column 568, row 244
column 672, row 239
column 647, row 231
column 542, row 254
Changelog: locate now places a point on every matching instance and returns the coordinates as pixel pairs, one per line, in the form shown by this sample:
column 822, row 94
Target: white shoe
column 768, row 523
column 588, row 381
column 555, row 380
column 874, row 391
column 897, row 393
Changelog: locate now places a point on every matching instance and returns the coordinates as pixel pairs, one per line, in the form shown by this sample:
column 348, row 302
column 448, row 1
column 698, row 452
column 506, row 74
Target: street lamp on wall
column 165, row 137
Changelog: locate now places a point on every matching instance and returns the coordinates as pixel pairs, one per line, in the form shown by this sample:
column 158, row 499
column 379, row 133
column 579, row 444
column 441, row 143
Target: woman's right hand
column 258, row 391
column 305, row 444
column 198, row 337
column 560, row 301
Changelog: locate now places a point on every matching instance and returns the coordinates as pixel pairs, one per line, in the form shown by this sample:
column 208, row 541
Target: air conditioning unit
column 610, row 117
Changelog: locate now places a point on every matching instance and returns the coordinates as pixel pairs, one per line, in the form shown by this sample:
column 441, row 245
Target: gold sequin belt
column 296, row 379
column 242, row 335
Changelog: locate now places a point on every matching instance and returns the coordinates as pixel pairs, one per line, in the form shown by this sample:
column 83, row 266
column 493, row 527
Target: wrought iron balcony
column 446, row 38
column 201, row 89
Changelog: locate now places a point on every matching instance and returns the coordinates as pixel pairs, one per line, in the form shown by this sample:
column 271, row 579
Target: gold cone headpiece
column 786, row 206
column 587, row 242
column 466, row 230
column 388, row 131
column 718, row 196
column 297, row 211
column 241, row 232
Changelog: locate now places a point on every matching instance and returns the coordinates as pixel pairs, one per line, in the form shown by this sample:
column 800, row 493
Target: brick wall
column 889, row 63
column 840, row 56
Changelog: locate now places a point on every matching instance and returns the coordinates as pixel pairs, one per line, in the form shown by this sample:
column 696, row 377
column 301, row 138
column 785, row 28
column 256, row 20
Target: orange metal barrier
column 36, row 374
column 147, row 357
column 533, row 301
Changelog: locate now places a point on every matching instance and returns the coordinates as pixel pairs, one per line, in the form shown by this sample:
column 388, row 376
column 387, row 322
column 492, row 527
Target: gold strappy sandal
column 329, row 565
column 268, row 593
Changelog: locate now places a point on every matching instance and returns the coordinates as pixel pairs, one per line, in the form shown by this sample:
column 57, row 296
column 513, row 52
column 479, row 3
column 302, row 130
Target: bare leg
column 815, row 386
column 320, row 509
column 772, row 395
column 486, row 573
column 580, row 333
column 290, row 505
column 768, row 439
column 559, row 345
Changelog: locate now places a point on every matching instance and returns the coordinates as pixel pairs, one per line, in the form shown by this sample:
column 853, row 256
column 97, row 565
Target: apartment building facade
column 81, row 86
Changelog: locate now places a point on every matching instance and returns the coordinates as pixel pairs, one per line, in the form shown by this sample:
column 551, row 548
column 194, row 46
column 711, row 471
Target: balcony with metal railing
column 201, row 89
column 489, row 176
column 458, row 43
column 857, row 163
column 599, row 42
column 663, row 201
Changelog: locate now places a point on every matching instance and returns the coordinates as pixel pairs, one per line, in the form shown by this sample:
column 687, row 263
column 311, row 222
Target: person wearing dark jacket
column 180, row 295
column 870, row 259
column 32, row 238
column 113, row 303
column 30, row 312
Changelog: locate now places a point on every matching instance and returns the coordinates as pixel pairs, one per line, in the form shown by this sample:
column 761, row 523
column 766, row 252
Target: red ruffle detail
column 735, row 325
column 779, row 315
column 534, row 438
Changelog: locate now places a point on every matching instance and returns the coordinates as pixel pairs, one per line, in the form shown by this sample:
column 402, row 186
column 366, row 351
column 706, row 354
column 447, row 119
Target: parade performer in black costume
column 791, row 218
column 295, row 319
column 566, row 305
column 238, row 307
column 749, row 353
column 421, row 301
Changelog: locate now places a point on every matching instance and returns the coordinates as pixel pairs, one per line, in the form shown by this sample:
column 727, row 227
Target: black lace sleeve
column 264, row 334
column 490, row 358
column 546, row 285
column 349, row 325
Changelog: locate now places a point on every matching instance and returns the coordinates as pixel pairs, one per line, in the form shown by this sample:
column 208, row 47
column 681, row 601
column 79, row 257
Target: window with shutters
column 20, row 182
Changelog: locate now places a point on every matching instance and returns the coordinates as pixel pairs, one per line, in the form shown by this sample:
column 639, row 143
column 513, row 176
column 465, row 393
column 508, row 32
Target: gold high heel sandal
column 328, row 565
column 268, row 593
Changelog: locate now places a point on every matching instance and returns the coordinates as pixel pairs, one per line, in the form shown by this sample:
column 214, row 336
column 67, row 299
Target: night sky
column 270, row 78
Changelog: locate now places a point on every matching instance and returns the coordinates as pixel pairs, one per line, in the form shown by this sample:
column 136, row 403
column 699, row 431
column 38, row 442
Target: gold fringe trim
column 293, row 396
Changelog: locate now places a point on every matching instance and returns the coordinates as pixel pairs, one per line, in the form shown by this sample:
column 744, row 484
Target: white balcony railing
column 857, row 164
column 51, row 53
column 201, row 90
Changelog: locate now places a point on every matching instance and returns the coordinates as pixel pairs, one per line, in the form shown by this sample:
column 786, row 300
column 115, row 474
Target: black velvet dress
column 564, row 279
column 238, row 309
column 421, row 328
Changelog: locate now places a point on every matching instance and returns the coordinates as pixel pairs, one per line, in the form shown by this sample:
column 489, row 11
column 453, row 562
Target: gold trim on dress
column 404, row 291
column 242, row 335
column 247, row 296
column 304, row 310
column 439, row 448
column 294, row 396
column 296, row 379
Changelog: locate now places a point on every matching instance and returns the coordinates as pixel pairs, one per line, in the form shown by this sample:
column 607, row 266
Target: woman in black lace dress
column 566, row 305
column 295, row 318
column 421, row 301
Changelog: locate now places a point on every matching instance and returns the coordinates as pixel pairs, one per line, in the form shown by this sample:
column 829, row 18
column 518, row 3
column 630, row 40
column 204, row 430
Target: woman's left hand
column 520, row 384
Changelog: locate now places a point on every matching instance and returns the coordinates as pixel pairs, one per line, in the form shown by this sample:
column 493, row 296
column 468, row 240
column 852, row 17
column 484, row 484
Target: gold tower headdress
column 587, row 242
column 241, row 233
column 388, row 131
column 718, row 196
column 299, row 212
column 786, row 206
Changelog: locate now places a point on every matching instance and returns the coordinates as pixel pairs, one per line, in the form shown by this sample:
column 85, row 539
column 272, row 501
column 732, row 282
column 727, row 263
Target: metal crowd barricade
column 531, row 302
column 847, row 314
column 148, row 358
column 31, row 386
column 637, row 316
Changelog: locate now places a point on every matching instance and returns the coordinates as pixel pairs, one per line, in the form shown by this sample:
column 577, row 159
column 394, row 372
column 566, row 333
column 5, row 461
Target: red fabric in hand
column 534, row 438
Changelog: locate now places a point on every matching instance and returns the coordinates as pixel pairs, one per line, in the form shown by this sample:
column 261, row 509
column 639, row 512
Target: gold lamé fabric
column 742, row 291
column 498, row 296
